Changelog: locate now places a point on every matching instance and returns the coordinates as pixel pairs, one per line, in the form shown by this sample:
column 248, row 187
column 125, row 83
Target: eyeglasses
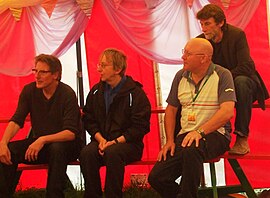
column 184, row 52
column 102, row 65
column 40, row 72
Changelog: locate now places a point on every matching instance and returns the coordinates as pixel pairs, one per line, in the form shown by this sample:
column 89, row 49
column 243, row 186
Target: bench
column 244, row 185
column 213, row 191
column 203, row 190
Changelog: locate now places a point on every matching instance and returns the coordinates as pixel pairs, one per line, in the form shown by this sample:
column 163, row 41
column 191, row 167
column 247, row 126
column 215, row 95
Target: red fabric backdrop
column 257, row 171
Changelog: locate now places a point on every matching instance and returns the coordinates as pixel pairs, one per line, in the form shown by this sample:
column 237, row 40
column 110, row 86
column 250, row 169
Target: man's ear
column 56, row 76
column 221, row 23
column 203, row 59
column 118, row 71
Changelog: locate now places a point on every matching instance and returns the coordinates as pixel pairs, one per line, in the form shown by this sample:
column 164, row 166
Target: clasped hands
column 103, row 144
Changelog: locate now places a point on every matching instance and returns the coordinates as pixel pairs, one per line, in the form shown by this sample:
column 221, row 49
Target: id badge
column 192, row 117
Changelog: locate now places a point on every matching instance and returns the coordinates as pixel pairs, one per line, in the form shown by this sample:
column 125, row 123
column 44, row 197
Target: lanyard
column 199, row 91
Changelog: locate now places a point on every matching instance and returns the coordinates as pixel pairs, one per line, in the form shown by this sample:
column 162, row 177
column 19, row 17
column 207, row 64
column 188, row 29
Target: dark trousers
column 188, row 163
column 115, row 158
column 245, row 89
column 57, row 155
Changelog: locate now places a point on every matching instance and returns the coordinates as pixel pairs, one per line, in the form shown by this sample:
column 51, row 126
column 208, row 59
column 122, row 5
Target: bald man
column 204, row 94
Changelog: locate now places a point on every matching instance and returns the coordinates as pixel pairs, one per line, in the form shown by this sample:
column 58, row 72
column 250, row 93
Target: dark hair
column 212, row 10
column 53, row 63
column 117, row 58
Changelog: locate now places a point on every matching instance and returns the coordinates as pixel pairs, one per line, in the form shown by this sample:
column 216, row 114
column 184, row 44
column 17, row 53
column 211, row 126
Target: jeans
column 57, row 155
column 188, row 163
column 115, row 158
column 245, row 89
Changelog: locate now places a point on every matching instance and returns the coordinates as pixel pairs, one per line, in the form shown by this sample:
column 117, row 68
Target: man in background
column 231, row 51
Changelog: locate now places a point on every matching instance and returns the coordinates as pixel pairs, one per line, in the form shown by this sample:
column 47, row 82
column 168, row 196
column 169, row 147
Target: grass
column 129, row 192
column 40, row 193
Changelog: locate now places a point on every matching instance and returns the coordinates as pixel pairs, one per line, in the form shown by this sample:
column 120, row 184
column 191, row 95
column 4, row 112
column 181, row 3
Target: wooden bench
column 244, row 185
column 203, row 190
column 213, row 191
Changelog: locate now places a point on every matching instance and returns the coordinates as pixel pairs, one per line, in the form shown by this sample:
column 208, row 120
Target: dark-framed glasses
column 103, row 65
column 40, row 72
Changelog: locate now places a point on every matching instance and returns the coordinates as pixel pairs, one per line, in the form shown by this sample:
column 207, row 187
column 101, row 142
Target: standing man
column 117, row 116
column 205, row 94
column 55, row 119
column 231, row 51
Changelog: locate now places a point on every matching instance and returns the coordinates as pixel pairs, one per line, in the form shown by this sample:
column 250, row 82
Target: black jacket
column 233, row 54
column 128, row 115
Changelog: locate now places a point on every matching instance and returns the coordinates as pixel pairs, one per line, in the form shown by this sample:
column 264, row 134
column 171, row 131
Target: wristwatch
column 201, row 132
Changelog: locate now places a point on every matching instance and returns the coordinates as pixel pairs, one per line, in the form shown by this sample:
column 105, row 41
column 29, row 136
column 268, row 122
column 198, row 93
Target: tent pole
column 79, row 73
column 159, row 102
column 80, row 82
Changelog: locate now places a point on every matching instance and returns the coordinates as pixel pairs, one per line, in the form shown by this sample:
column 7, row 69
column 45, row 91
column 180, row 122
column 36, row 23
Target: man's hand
column 104, row 145
column 5, row 156
column 101, row 146
column 31, row 153
column 190, row 137
column 169, row 146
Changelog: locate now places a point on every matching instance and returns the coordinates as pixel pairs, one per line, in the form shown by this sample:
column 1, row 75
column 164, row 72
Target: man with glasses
column 231, row 51
column 55, row 118
column 203, row 94
column 117, row 116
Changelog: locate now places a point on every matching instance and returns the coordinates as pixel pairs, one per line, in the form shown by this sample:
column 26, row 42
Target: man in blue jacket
column 231, row 51
column 117, row 116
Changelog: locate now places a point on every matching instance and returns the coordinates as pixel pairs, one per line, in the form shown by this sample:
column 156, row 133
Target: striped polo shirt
column 200, row 102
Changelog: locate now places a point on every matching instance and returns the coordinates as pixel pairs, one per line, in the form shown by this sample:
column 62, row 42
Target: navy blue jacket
column 128, row 115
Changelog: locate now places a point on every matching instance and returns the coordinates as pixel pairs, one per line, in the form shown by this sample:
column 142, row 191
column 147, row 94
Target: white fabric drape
column 156, row 29
column 161, row 32
column 49, row 33
column 39, row 30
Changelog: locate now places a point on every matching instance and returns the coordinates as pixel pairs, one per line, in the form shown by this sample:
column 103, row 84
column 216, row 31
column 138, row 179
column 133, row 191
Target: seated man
column 117, row 116
column 55, row 119
column 231, row 51
column 205, row 94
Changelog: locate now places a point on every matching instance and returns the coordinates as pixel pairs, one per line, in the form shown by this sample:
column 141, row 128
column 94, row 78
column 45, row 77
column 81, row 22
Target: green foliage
column 30, row 193
column 135, row 191
column 129, row 192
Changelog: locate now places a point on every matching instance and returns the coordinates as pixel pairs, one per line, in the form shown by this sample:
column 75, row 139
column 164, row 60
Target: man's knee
column 156, row 175
column 191, row 154
column 152, row 178
column 59, row 151
column 88, row 153
column 56, row 147
column 112, row 151
column 244, row 83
